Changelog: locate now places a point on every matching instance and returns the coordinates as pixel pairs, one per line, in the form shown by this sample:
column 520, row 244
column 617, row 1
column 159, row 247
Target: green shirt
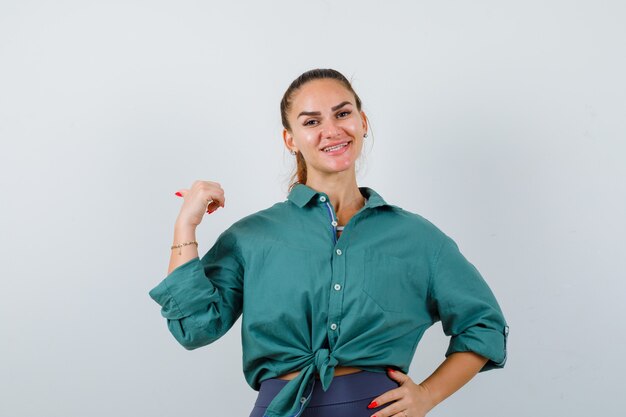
column 311, row 301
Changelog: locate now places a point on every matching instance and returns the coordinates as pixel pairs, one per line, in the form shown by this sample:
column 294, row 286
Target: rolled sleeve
column 468, row 309
column 202, row 298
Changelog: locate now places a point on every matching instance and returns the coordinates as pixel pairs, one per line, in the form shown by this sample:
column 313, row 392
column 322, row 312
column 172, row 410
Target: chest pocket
column 391, row 282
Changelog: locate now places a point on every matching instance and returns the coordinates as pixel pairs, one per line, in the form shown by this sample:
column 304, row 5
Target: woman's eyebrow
column 316, row 113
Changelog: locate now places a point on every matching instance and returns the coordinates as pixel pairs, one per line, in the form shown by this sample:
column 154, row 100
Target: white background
column 501, row 122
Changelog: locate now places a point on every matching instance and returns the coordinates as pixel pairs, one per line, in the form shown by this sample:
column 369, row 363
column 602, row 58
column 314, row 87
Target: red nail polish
column 178, row 194
column 390, row 370
column 373, row 404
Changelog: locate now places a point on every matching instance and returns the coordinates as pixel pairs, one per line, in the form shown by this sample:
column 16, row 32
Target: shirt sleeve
column 468, row 310
column 202, row 298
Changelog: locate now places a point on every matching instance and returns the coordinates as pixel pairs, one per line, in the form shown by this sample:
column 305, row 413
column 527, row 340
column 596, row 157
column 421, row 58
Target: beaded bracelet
column 180, row 245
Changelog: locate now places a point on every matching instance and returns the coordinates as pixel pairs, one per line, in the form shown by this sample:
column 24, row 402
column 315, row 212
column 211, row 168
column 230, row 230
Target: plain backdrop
column 501, row 122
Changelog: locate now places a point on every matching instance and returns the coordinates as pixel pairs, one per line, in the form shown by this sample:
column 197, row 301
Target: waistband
column 343, row 388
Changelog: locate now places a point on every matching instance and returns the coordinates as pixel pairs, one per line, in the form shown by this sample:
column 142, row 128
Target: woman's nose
column 331, row 129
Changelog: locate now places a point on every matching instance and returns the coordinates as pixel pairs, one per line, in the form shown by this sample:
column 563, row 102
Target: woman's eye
column 308, row 122
column 343, row 112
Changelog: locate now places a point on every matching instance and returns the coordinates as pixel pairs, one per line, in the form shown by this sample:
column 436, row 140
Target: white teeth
column 334, row 148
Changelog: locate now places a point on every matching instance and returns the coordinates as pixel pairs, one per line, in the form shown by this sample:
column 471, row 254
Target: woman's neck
column 344, row 196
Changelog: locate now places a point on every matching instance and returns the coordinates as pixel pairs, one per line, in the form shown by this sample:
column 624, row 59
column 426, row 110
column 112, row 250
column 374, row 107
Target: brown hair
column 299, row 176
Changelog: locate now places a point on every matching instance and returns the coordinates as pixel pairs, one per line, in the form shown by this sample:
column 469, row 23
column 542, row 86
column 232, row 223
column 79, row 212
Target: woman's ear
column 364, row 119
column 288, row 139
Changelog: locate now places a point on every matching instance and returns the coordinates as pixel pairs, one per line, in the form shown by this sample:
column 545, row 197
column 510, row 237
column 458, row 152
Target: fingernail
column 390, row 370
column 178, row 194
column 373, row 404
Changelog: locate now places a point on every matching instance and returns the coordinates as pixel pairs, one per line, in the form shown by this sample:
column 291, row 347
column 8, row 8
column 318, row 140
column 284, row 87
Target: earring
column 292, row 152
column 364, row 135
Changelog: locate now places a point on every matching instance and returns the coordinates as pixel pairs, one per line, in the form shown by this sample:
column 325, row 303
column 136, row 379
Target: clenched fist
column 202, row 197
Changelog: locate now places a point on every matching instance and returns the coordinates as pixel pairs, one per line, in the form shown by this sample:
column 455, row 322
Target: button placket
column 333, row 219
column 337, row 278
column 336, row 294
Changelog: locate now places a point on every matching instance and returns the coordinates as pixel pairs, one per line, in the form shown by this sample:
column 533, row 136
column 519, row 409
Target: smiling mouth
column 336, row 147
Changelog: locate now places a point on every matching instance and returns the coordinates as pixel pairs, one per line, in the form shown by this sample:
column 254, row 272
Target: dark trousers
column 347, row 396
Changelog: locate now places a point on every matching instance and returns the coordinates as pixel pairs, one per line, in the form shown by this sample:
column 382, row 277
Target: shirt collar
column 302, row 194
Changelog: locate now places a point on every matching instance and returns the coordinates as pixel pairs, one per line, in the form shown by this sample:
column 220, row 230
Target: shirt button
column 337, row 287
column 303, row 400
column 322, row 199
column 338, row 251
column 334, row 223
column 333, row 326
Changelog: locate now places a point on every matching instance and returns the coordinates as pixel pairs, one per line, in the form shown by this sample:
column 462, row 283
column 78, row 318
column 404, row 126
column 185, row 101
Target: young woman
column 335, row 286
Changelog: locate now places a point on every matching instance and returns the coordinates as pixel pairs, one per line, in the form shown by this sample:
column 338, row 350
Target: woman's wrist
column 432, row 399
column 184, row 230
column 181, row 254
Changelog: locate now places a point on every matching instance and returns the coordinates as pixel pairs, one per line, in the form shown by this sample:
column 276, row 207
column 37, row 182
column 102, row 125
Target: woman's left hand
column 410, row 399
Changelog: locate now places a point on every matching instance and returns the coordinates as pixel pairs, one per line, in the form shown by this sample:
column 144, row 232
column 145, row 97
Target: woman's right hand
column 202, row 197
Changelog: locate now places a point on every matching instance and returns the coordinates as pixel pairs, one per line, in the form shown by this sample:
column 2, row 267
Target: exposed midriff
column 339, row 370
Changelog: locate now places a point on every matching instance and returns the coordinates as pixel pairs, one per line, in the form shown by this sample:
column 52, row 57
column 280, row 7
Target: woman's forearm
column 452, row 374
column 186, row 253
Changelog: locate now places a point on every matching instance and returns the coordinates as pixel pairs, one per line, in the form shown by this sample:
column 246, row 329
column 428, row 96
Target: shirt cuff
column 184, row 291
column 486, row 342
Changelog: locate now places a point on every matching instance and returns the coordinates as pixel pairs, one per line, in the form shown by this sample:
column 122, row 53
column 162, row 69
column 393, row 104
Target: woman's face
column 324, row 114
